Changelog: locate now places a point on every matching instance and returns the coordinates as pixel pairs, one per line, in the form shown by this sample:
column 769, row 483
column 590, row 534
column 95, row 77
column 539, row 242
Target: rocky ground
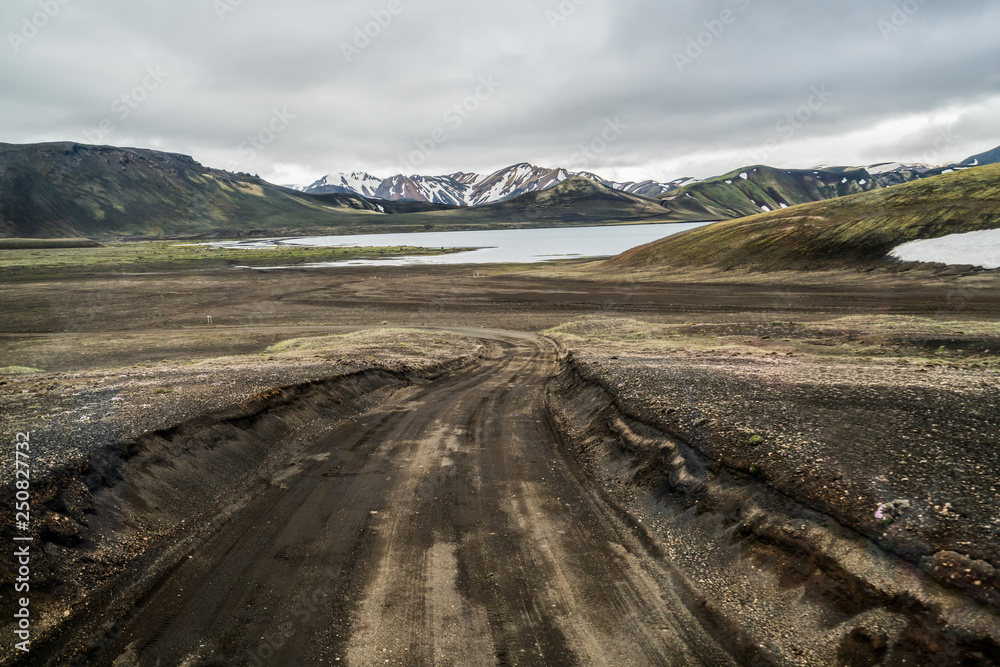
column 866, row 403
column 913, row 432
column 72, row 415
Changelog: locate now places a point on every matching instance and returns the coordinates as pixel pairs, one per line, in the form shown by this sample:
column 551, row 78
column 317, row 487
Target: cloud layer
column 296, row 89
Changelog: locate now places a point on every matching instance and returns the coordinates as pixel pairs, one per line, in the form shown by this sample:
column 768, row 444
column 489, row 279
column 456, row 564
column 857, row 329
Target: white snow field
column 975, row 248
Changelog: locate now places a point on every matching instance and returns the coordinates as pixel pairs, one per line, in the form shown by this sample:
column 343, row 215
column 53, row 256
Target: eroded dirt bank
column 510, row 512
column 462, row 494
column 119, row 499
column 438, row 526
column 762, row 566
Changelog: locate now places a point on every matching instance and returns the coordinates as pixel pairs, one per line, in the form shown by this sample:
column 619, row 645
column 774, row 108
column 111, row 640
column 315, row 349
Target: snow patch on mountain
column 471, row 189
column 976, row 248
column 358, row 182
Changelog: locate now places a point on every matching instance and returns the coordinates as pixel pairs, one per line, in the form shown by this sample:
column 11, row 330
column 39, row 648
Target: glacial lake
column 522, row 246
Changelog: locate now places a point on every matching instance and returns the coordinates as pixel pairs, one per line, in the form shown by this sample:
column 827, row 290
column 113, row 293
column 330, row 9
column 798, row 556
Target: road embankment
column 759, row 554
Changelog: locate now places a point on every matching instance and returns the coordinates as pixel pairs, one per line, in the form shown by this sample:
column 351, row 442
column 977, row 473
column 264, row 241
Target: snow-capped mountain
column 470, row 189
column 989, row 157
column 650, row 188
column 357, row 182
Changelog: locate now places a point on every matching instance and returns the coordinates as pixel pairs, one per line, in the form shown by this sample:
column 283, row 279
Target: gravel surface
column 71, row 415
column 843, row 434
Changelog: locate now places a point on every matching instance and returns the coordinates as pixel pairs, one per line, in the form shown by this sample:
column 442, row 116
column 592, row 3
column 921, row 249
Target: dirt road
column 441, row 527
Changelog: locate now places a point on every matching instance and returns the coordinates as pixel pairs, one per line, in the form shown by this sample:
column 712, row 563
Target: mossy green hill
column 576, row 200
column 72, row 190
column 750, row 190
column 851, row 230
column 68, row 190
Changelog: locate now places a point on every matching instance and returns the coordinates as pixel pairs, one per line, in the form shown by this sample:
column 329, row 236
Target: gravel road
column 440, row 527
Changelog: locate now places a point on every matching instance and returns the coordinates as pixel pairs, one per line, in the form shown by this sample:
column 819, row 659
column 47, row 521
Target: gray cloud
column 702, row 87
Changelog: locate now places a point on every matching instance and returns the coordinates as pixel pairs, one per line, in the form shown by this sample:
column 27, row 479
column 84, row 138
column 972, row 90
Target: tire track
column 439, row 528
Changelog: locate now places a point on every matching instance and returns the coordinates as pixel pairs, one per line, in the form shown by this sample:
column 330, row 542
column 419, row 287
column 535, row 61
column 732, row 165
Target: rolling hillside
column 756, row 189
column 989, row 157
column 575, row 200
column 849, row 231
column 70, row 190
column 64, row 190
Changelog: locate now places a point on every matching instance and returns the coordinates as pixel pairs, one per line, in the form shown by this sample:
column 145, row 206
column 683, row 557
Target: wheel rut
column 441, row 527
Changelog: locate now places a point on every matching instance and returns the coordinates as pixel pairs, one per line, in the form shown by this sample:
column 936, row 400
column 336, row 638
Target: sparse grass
column 377, row 342
column 872, row 338
column 853, row 230
column 171, row 255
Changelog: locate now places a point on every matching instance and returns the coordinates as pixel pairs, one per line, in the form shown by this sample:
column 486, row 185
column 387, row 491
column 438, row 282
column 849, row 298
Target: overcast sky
column 629, row 89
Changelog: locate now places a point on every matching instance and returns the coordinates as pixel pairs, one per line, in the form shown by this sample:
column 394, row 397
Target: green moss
column 855, row 229
column 163, row 255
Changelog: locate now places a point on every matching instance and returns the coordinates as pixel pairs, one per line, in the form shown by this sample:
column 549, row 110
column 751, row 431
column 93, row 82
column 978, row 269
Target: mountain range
column 839, row 232
column 471, row 189
column 63, row 190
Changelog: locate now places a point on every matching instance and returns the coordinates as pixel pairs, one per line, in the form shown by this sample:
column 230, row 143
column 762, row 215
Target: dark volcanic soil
column 521, row 508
